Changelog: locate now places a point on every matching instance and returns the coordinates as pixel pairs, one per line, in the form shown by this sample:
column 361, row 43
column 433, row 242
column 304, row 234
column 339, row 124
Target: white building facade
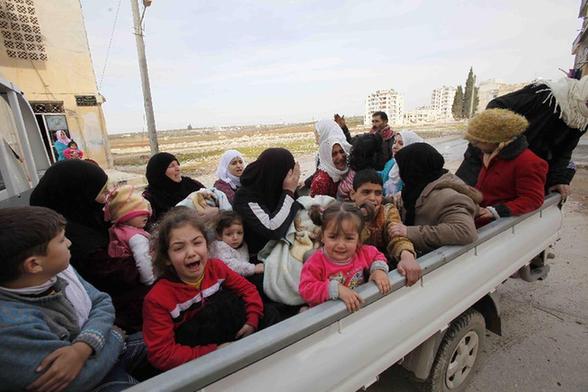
column 388, row 101
column 442, row 101
column 422, row 115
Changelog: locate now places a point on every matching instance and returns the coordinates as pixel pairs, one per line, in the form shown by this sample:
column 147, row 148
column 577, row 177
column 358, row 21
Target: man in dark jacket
column 558, row 117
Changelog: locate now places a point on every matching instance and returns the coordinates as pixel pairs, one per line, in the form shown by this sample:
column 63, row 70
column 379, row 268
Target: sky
column 236, row 62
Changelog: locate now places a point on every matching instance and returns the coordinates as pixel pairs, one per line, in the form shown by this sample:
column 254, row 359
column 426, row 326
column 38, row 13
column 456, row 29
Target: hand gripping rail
column 326, row 348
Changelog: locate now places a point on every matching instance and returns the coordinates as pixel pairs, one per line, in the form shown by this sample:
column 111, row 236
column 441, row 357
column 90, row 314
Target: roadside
column 544, row 346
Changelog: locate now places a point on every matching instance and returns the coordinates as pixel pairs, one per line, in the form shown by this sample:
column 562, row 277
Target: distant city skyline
column 259, row 61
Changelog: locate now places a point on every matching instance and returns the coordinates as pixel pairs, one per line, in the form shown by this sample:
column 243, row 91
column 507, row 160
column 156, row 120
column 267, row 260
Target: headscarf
column 70, row 188
column 62, row 137
column 263, row 178
column 222, row 171
column 327, row 129
column 570, row 96
column 164, row 193
column 326, row 157
column 393, row 183
column 386, row 132
column 419, row 165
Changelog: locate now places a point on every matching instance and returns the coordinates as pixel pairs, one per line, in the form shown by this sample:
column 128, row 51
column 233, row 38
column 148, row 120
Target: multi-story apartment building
column 442, row 101
column 424, row 114
column 490, row 89
column 44, row 51
column 388, row 101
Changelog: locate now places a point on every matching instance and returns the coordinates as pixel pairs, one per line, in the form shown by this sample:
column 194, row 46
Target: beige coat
column 444, row 214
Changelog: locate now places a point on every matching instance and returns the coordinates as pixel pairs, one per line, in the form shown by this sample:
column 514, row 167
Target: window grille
column 47, row 107
column 20, row 30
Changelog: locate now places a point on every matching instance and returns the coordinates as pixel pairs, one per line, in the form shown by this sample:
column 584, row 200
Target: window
column 20, row 30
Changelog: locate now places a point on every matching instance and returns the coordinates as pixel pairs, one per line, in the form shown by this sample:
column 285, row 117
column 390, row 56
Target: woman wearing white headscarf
column 390, row 174
column 60, row 145
column 332, row 167
column 229, row 172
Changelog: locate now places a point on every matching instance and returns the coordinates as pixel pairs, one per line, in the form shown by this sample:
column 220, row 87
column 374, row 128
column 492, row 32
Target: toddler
column 230, row 247
column 129, row 213
column 337, row 268
column 72, row 151
column 197, row 304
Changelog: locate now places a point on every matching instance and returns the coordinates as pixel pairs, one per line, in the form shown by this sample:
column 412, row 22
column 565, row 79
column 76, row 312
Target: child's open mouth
column 193, row 265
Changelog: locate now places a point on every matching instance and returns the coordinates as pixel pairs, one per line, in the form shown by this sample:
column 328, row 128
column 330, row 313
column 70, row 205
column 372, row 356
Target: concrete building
column 421, row 115
column 490, row 89
column 442, row 101
column 388, row 101
column 44, row 51
column 580, row 45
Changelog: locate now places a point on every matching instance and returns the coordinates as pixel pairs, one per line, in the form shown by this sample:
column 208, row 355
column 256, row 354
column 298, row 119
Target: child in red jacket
column 512, row 178
column 198, row 304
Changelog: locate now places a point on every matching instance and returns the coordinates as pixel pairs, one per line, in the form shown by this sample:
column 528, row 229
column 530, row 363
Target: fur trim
column 496, row 126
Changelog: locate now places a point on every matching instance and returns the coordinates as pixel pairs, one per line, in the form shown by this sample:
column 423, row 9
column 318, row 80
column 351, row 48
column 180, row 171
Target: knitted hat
column 495, row 126
column 122, row 205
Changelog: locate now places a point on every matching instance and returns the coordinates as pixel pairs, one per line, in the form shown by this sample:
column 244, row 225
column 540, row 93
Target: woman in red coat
column 512, row 178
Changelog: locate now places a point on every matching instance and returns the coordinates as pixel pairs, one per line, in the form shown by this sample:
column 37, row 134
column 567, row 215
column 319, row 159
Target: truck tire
column 458, row 353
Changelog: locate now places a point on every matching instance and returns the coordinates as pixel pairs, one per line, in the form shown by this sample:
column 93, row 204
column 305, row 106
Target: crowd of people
column 103, row 287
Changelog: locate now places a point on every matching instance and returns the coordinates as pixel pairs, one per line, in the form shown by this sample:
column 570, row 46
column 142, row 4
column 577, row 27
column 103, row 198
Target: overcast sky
column 264, row 61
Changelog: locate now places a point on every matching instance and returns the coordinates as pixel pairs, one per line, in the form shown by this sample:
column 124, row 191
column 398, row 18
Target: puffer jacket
column 444, row 214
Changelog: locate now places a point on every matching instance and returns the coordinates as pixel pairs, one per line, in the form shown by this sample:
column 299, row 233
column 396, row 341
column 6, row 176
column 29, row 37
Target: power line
column 109, row 45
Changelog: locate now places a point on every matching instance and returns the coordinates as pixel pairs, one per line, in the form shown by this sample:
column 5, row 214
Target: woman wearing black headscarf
column 77, row 190
column 167, row 187
column 438, row 208
column 266, row 199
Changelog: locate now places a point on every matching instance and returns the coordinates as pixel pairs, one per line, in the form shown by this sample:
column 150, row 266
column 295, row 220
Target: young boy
column 56, row 330
column 367, row 194
column 512, row 178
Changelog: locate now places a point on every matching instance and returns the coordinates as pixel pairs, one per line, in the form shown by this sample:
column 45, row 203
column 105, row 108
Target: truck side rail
column 200, row 373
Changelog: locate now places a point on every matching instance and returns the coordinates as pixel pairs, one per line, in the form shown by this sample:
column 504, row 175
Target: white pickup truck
column 435, row 328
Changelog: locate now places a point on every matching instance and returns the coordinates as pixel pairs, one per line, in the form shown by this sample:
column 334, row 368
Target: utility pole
column 144, row 77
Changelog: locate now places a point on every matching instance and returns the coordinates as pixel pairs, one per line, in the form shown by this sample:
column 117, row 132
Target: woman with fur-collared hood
column 437, row 207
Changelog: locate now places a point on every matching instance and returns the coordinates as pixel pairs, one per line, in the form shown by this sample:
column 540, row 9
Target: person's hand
column 291, row 180
column 409, row 268
column 245, row 330
column 397, row 230
column 563, row 189
column 485, row 214
column 351, row 299
column 340, row 120
column 259, row 268
column 60, row 368
column 380, row 278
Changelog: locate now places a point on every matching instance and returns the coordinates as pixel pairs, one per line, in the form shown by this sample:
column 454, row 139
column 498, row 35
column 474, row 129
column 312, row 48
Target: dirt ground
column 544, row 346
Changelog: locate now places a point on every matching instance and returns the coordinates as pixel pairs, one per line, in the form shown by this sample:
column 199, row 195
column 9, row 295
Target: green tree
column 470, row 95
column 476, row 100
column 457, row 106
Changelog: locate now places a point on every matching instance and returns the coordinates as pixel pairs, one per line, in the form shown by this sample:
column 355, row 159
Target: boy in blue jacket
column 56, row 330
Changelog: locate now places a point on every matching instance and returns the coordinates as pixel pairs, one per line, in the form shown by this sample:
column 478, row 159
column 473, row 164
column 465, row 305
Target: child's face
column 138, row 221
column 341, row 246
column 57, row 257
column 236, row 167
column 187, row 252
column 233, row 235
column 368, row 193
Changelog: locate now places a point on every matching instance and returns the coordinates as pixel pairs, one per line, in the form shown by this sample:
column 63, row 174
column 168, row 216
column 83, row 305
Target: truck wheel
column 458, row 353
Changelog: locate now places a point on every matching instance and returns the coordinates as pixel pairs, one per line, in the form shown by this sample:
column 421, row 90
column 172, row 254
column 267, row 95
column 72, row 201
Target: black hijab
column 263, row 178
column 162, row 191
column 70, row 187
column 367, row 152
column 419, row 164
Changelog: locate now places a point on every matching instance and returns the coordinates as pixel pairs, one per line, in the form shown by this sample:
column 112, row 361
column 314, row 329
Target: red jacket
column 514, row 181
column 323, row 184
column 170, row 303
